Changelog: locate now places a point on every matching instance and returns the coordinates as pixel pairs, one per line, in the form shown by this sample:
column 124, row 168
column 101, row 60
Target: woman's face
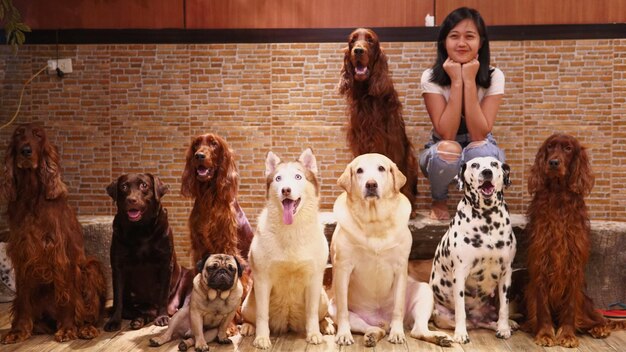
column 463, row 42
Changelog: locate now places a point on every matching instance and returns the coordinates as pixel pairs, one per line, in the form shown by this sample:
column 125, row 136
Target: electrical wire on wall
column 19, row 104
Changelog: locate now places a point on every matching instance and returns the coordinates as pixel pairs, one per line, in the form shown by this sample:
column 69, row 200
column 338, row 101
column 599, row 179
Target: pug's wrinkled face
column 220, row 272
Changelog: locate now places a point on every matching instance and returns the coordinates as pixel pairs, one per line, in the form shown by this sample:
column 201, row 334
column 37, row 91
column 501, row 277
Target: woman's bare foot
column 439, row 210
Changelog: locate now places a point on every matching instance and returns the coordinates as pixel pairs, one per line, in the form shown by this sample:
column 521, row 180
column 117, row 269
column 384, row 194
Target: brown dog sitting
column 215, row 298
column 148, row 283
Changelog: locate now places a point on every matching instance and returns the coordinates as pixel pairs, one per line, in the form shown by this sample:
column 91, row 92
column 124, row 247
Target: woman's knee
column 449, row 151
column 482, row 148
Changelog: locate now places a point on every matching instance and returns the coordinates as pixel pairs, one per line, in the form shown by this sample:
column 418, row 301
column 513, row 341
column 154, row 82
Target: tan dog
column 288, row 256
column 370, row 251
column 215, row 298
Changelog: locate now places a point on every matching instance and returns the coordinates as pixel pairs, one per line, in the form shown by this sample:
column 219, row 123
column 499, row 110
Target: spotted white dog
column 7, row 275
column 473, row 260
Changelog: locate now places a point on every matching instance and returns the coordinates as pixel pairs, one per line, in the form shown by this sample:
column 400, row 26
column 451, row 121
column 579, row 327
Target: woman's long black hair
column 483, row 77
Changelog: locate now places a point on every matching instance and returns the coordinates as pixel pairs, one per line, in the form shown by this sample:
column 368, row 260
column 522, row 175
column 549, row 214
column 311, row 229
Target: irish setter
column 558, row 249
column 376, row 124
column 58, row 287
column 217, row 223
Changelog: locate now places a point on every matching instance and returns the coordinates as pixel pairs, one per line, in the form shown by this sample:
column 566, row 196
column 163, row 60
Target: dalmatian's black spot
column 466, row 240
column 484, row 229
column 455, row 234
column 496, row 225
column 474, row 263
column 494, row 276
column 461, row 293
column 499, row 244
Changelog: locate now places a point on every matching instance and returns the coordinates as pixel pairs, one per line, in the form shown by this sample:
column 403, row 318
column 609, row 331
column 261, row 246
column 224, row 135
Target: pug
column 215, row 298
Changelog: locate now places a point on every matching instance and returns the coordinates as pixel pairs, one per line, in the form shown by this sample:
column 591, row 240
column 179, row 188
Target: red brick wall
column 134, row 108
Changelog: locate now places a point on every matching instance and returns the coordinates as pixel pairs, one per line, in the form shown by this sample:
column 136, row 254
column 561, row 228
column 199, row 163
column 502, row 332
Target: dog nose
column 286, row 191
column 486, row 173
column 199, row 156
column 27, row 151
column 554, row 163
column 359, row 51
column 131, row 200
column 371, row 185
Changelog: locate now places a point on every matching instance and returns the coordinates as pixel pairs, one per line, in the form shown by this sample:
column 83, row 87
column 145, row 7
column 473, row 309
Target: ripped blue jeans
column 441, row 172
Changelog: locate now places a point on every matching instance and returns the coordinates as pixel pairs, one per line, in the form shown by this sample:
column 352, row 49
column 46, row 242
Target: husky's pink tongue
column 288, row 208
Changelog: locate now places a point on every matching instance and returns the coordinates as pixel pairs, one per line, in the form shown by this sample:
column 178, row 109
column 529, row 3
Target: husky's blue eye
column 278, row 178
column 298, row 177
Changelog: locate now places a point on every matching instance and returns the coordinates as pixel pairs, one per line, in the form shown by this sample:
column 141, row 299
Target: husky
column 288, row 256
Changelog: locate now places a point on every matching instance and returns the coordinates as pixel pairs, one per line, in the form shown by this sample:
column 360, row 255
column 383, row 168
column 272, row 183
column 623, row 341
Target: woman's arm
column 446, row 116
column 479, row 117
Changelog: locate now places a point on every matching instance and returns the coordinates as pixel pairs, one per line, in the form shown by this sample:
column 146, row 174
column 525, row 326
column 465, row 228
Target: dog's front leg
column 197, row 328
column 504, row 330
column 222, row 331
column 262, row 290
column 165, row 275
column 458, row 290
column 312, row 301
column 117, row 276
column 341, row 280
column 396, row 331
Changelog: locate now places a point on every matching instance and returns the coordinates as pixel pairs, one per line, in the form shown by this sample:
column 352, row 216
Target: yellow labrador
column 370, row 252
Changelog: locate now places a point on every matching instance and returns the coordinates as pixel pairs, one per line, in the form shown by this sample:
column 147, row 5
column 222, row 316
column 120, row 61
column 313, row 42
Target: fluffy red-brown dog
column 58, row 287
column 376, row 124
column 558, row 229
column 217, row 223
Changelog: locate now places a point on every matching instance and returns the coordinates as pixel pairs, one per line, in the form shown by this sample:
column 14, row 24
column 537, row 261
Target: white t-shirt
column 497, row 85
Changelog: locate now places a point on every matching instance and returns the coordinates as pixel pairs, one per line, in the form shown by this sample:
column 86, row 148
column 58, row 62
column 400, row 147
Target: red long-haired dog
column 558, row 249
column 58, row 287
column 217, row 223
column 376, row 124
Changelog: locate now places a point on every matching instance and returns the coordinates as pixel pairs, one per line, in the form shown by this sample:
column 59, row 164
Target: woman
column 462, row 94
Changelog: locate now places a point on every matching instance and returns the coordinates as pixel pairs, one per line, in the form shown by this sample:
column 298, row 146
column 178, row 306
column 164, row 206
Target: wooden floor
column 137, row 340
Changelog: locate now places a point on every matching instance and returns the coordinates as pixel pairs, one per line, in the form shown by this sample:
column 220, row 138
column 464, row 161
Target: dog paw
column 162, row 320
column 443, row 340
column 14, row 337
column 88, row 332
column 262, row 342
column 545, row 340
column 396, row 337
column 112, row 325
column 247, row 329
column 314, row 338
column 182, row 346
column 569, row 341
column 600, row 332
column 137, row 323
column 514, row 325
column 154, row 342
column 503, row 333
column 65, row 334
column 202, row 347
column 344, row 339
column 461, row 337
column 223, row 340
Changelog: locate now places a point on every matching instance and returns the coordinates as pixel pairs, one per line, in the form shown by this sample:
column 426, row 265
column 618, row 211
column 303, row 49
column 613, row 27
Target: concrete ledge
column 605, row 275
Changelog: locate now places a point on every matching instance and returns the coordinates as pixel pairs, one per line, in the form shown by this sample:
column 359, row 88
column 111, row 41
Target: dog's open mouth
column 487, row 189
column 361, row 70
column 203, row 171
column 134, row 214
column 289, row 209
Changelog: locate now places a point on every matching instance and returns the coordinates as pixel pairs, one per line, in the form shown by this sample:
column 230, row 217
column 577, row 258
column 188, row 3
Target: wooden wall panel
column 105, row 14
column 531, row 12
column 306, row 13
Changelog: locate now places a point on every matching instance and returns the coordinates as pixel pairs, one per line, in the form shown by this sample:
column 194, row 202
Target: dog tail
column 94, row 291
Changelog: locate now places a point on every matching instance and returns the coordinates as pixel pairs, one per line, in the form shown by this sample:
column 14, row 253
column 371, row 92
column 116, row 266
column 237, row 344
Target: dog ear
column 506, row 174
column 160, row 188
column 8, row 179
column 200, row 263
column 112, row 190
column 398, row 177
column 345, row 180
column 271, row 161
column 460, row 179
column 347, row 73
column 581, row 179
column 239, row 267
column 308, row 160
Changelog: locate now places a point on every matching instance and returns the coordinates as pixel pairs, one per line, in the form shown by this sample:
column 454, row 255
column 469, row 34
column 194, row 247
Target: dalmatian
column 7, row 274
column 472, row 265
